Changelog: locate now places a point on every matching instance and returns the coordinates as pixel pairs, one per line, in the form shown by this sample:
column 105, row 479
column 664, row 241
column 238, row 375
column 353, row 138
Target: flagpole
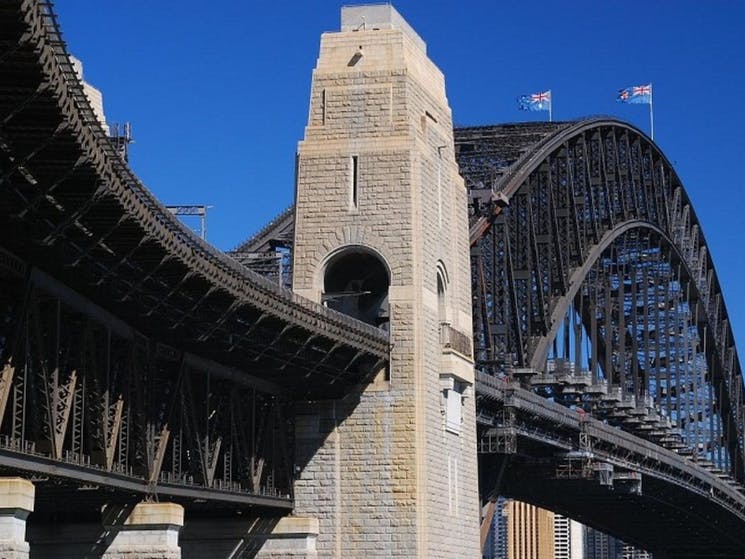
column 550, row 106
column 651, row 111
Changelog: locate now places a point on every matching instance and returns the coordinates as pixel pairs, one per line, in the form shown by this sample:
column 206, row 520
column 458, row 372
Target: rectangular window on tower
column 453, row 411
column 453, row 392
column 323, row 107
column 353, row 182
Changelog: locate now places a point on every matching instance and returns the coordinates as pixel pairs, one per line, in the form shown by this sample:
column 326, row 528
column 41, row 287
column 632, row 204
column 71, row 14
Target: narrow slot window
column 439, row 187
column 354, row 175
column 323, row 107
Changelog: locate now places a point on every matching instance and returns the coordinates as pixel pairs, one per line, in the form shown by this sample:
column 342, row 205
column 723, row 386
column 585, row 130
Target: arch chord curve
column 566, row 221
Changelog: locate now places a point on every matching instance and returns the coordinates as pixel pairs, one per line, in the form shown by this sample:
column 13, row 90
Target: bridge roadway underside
column 650, row 497
column 136, row 361
column 661, row 519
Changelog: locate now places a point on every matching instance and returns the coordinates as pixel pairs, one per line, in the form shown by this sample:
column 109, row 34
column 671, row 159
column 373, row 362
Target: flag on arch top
column 638, row 94
column 535, row 101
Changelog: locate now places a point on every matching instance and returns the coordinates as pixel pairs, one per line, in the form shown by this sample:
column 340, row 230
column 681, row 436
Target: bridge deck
column 74, row 209
column 702, row 517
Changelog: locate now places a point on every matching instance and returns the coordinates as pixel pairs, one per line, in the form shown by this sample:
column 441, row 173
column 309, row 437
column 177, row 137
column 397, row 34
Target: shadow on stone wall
column 225, row 538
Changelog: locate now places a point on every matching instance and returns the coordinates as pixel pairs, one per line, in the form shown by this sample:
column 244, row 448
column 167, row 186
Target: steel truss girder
column 77, row 211
column 551, row 423
column 84, row 396
column 564, row 198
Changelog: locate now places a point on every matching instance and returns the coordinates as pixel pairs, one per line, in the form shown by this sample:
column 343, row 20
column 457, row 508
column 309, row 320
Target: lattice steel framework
column 593, row 285
column 133, row 355
column 82, row 393
column 570, row 224
column 74, row 209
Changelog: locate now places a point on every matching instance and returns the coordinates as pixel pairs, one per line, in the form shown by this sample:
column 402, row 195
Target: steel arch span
column 609, row 386
column 594, row 288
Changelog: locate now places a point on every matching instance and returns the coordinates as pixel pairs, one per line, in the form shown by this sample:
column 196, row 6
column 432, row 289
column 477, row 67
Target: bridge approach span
column 135, row 357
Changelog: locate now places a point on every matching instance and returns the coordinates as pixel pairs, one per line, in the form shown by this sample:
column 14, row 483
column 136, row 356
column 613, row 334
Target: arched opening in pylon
column 355, row 282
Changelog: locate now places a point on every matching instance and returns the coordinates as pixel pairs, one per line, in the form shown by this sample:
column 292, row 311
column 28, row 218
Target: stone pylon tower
column 381, row 233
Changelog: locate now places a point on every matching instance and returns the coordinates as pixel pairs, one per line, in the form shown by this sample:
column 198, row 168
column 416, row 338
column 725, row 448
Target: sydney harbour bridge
column 139, row 362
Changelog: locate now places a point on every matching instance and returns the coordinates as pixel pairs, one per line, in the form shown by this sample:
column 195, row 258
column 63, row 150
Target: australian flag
column 535, row 101
column 636, row 94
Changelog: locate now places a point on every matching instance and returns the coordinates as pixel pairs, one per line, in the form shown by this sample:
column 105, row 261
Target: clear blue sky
column 217, row 93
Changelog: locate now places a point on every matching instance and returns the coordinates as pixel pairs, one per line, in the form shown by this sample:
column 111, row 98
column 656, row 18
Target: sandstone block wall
column 380, row 469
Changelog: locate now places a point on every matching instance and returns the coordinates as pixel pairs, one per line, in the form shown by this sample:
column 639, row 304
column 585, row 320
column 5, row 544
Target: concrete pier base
column 16, row 502
column 292, row 538
column 150, row 532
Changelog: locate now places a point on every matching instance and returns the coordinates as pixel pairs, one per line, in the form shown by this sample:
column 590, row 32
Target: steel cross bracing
column 76, row 210
column 607, row 363
column 572, row 463
column 593, row 288
column 85, row 398
column 593, row 284
column 88, row 253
